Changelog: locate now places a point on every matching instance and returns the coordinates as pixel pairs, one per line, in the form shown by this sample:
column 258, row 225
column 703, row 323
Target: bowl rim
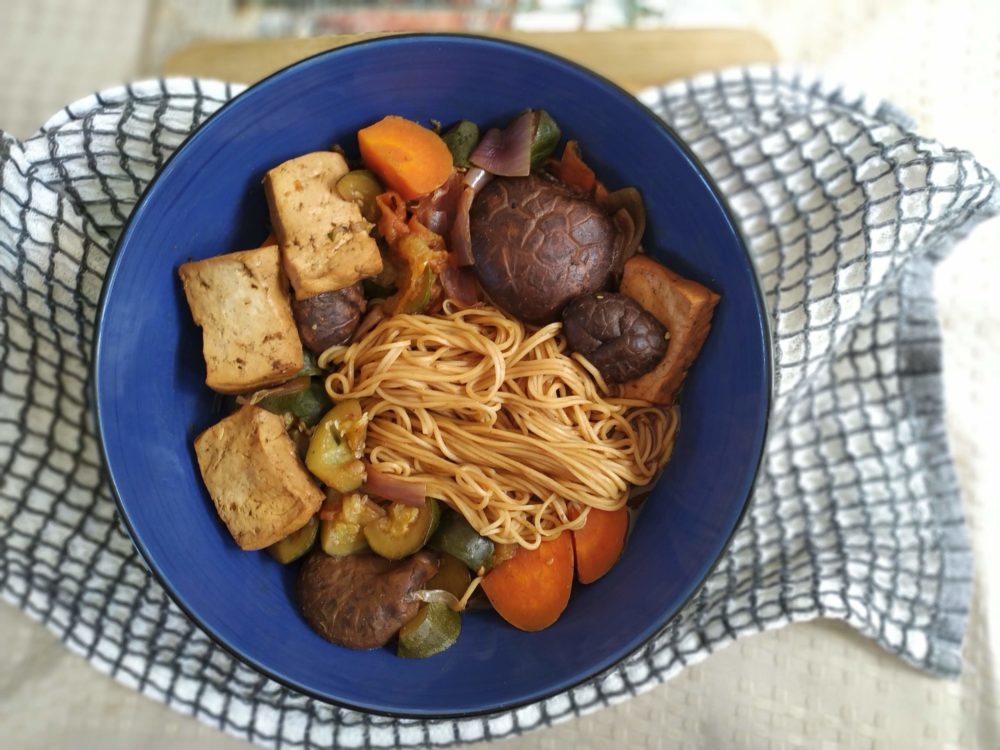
column 592, row 674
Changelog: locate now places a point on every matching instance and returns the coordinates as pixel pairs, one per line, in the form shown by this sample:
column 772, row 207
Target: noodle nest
column 501, row 423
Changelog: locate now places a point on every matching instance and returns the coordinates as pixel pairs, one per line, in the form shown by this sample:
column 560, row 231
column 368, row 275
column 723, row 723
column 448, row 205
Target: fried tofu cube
column 325, row 242
column 241, row 303
column 261, row 489
column 685, row 307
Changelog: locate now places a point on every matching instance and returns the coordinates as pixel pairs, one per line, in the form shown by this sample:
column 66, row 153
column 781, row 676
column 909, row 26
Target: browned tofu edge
column 220, row 375
column 294, row 478
column 305, row 287
column 649, row 283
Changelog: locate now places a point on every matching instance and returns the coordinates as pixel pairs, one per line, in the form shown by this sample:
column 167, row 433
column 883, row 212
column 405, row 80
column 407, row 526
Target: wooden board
column 633, row 59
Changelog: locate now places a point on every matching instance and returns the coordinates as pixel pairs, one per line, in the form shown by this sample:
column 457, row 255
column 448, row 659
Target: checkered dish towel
column 856, row 514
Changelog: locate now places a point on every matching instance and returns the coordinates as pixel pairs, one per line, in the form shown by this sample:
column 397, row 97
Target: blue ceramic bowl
column 152, row 401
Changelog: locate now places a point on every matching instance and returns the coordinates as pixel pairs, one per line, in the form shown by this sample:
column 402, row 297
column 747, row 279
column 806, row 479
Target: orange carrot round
column 599, row 544
column 406, row 156
column 531, row 589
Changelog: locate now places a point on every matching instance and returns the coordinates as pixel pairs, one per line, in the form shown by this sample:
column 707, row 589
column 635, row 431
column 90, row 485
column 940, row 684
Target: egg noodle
column 502, row 424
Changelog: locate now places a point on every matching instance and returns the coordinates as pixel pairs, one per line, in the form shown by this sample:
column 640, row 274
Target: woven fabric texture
column 856, row 515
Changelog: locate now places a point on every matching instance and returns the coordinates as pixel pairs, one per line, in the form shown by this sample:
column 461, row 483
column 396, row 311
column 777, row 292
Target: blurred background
column 938, row 61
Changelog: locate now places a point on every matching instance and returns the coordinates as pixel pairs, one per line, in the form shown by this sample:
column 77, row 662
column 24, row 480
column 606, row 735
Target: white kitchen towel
column 856, row 514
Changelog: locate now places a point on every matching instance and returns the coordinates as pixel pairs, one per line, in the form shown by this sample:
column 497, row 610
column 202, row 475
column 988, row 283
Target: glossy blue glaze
column 151, row 399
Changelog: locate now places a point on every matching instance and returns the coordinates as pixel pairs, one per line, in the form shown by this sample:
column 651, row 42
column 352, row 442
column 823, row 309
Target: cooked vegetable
column 532, row 589
column 338, row 538
column 435, row 628
column 406, row 156
column 461, row 237
column 685, row 308
column 296, row 544
column 361, row 601
column 537, row 245
column 436, row 210
column 415, row 296
column 452, row 576
column 545, row 139
column 526, row 142
column 337, row 445
column 614, row 332
column 440, row 596
column 417, row 253
column 391, row 223
column 383, row 285
column 504, row 552
column 507, row 152
column 457, row 537
column 329, row 318
column 392, row 488
column 309, row 366
column 477, row 179
column 375, row 290
column 627, row 210
column 599, row 544
column 572, row 171
column 461, row 140
column 404, row 530
column 308, row 403
column 300, row 434
column 360, row 186
column 460, row 286
column 342, row 522
column 294, row 385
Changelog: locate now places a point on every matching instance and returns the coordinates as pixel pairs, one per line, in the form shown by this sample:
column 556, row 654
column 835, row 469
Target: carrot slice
column 599, row 544
column 406, row 156
column 531, row 589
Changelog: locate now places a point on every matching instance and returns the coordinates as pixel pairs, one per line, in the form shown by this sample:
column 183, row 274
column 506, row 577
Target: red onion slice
column 461, row 236
column 507, row 152
column 628, row 241
column 436, row 221
column 460, row 286
column 629, row 199
column 476, row 179
column 435, row 210
column 392, row 488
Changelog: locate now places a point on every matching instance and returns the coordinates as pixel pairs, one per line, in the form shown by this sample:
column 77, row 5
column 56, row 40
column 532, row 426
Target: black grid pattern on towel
column 856, row 515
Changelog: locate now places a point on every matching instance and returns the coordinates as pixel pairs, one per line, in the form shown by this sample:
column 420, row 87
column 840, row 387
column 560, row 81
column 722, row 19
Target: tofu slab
column 325, row 242
column 261, row 489
column 685, row 307
column 241, row 303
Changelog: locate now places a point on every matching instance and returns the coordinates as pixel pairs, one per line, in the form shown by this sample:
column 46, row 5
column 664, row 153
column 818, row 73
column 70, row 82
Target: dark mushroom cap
column 538, row 245
column 361, row 601
column 329, row 318
column 616, row 334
